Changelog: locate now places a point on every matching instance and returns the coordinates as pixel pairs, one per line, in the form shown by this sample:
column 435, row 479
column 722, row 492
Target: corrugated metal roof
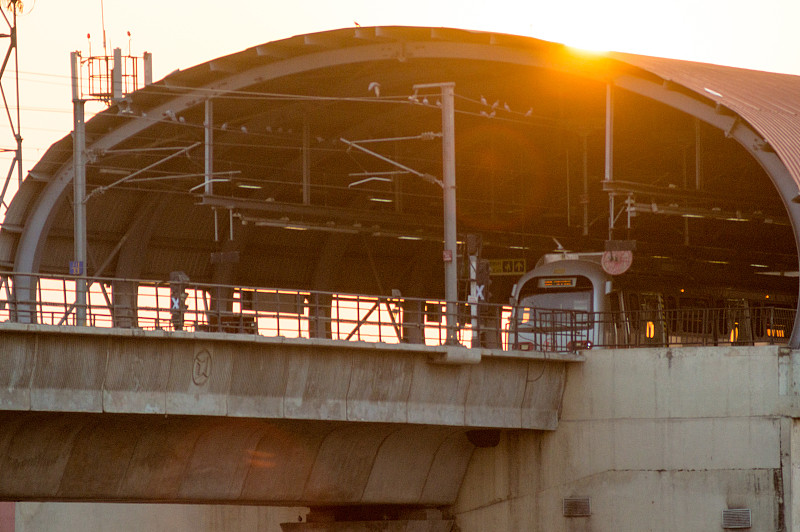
column 769, row 102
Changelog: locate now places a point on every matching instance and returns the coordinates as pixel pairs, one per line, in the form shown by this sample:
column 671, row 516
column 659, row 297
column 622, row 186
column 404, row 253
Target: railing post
column 771, row 326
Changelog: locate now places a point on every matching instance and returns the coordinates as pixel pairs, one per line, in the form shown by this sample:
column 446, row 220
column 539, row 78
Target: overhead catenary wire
column 178, row 121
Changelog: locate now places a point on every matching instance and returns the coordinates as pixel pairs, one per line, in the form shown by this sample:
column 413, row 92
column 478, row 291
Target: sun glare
column 587, row 42
column 587, row 50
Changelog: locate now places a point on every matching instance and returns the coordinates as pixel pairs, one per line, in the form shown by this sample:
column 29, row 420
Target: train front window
column 556, row 303
column 558, row 293
column 579, row 301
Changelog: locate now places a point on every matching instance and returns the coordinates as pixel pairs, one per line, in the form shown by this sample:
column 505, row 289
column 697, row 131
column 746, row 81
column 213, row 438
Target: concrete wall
column 87, row 517
column 658, row 439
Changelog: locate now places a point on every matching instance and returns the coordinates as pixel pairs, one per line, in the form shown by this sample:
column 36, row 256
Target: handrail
column 207, row 307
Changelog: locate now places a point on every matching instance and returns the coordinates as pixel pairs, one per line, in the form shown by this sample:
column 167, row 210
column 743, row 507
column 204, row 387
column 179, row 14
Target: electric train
column 569, row 303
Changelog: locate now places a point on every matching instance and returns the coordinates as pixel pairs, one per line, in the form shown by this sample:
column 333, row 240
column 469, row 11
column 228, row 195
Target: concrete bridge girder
column 135, row 416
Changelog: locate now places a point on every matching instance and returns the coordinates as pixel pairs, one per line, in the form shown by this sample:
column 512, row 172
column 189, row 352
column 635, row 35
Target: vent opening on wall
column 736, row 518
column 577, row 507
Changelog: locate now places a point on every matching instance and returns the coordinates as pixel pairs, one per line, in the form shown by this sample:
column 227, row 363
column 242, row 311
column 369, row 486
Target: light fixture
column 248, row 186
column 113, row 171
column 381, row 200
column 404, row 237
column 737, row 217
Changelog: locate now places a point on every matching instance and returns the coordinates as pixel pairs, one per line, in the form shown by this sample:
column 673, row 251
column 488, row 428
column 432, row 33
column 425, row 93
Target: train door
column 771, row 324
column 737, row 322
column 619, row 331
column 693, row 322
column 646, row 319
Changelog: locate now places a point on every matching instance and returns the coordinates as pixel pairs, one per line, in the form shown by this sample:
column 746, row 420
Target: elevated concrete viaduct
column 121, row 415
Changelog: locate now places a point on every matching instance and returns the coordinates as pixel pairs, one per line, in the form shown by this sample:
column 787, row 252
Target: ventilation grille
column 577, row 507
column 736, row 518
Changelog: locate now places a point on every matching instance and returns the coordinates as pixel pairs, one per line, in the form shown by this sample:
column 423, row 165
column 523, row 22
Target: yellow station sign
column 507, row 266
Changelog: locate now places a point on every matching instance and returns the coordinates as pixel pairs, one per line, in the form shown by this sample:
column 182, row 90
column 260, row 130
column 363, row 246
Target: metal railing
column 199, row 307
column 568, row 330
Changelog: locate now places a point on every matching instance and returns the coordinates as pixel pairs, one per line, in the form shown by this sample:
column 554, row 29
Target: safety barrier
column 180, row 305
column 569, row 330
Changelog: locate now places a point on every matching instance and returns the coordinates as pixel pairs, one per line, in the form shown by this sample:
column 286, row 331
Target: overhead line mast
column 110, row 79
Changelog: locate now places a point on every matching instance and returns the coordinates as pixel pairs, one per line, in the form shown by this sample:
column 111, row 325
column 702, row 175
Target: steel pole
column 18, row 135
column 79, row 193
column 585, row 196
column 609, row 169
column 450, row 234
column 306, row 155
column 208, row 126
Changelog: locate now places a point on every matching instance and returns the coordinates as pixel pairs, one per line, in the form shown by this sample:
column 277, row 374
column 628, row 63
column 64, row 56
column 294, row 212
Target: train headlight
column 577, row 345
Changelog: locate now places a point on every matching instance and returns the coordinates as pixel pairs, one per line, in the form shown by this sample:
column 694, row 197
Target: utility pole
column 111, row 86
column 78, row 265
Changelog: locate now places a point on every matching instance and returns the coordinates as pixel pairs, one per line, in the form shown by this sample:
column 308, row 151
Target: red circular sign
column 616, row 262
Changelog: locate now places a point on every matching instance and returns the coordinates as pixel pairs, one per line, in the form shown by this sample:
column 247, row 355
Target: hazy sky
column 181, row 33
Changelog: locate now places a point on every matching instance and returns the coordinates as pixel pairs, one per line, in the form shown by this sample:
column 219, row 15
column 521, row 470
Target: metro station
column 423, row 277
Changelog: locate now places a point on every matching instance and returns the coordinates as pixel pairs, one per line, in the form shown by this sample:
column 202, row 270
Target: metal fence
column 199, row 307
column 565, row 330
column 196, row 307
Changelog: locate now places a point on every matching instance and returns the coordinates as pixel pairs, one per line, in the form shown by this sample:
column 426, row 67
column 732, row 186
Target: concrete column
column 125, row 303
column 413, row 322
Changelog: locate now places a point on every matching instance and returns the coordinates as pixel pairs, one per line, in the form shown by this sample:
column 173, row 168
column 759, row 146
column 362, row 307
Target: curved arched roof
column 769, row 102
column 280, row 110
